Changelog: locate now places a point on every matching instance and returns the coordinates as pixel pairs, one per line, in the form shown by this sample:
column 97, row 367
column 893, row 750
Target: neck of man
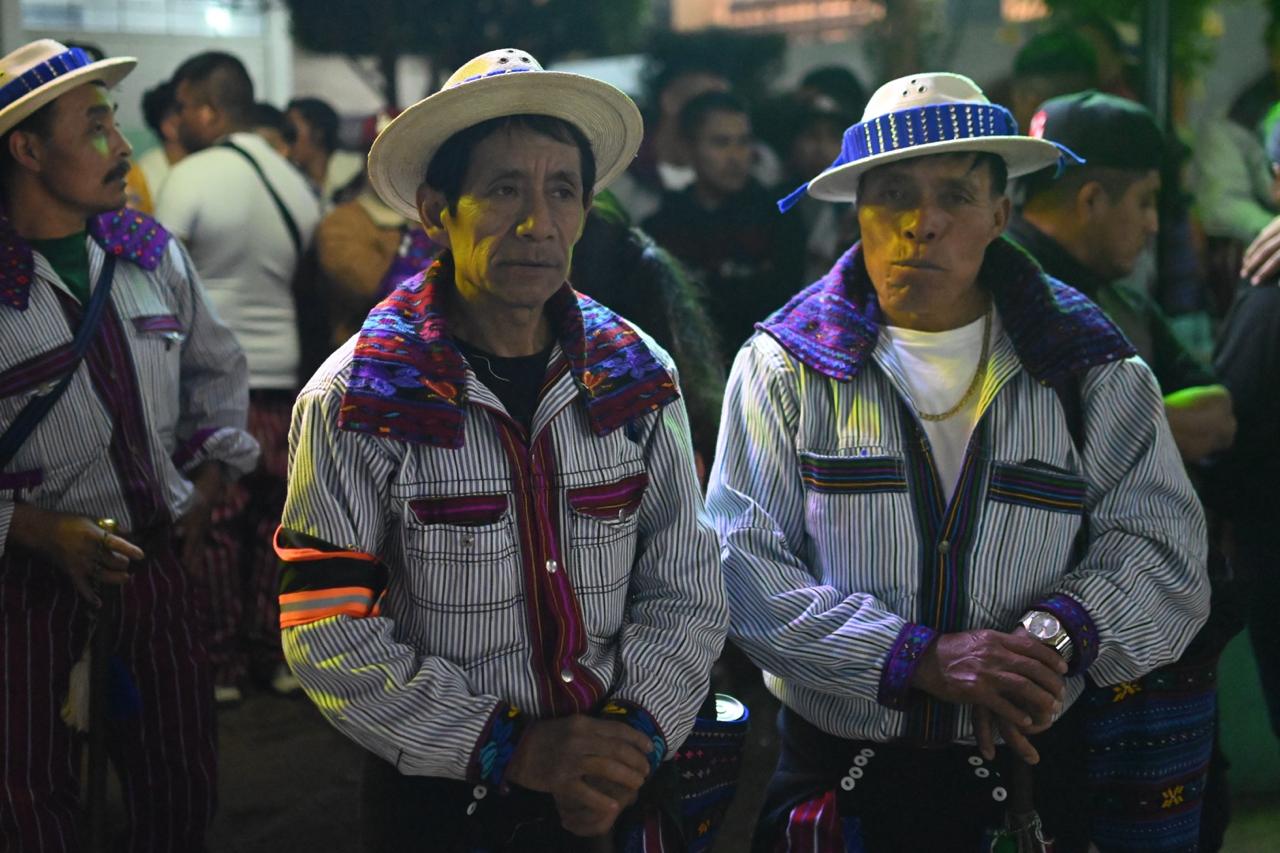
column 173, row 151
column 500, row 330
column 38, row 215
column 965, row 310
column 316, row 168
column 707, row 196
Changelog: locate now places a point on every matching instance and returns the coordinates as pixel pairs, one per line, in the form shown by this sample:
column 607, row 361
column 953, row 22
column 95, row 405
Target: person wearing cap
column 902, row 479
column 498, row 579
column 1088, row 227
column 122, row 400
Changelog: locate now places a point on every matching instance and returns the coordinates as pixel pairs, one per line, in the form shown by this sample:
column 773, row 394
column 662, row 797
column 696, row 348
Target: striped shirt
column 842, row 558
column 164, row 388
column 450, row 578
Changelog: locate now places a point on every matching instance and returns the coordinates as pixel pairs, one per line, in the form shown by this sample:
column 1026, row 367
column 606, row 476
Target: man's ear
column 1003, row 207
column 26, row 150
column 431, row 207
column 1088, row 199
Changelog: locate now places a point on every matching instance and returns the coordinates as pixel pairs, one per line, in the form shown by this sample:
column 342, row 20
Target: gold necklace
column 978, row 374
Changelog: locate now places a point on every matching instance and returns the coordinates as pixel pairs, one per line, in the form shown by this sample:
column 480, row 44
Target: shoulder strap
column 289, row 223
column 40, row 405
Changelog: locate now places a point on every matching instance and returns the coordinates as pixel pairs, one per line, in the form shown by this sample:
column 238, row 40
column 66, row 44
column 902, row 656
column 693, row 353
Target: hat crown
column 922, row 90
column 28, row 56
column 501, row 61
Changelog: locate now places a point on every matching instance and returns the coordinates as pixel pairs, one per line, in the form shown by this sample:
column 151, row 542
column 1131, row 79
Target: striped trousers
column 161, row 741
column 241, row 570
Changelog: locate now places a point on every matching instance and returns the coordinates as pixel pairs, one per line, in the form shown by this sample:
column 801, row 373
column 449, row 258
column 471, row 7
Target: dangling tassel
column 75, row 710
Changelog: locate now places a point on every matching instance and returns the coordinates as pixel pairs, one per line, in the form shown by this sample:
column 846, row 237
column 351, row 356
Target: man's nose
column 535, row 223
column 925, row 223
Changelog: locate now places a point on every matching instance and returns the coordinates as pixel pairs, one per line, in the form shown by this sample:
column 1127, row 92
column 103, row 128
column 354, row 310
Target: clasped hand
column 1014, row 682
column 592, row 768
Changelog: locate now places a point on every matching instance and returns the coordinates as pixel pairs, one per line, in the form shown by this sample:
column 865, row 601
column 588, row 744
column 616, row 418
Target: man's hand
column 1201, row 419
column 77, row 546
column 193, row 528
column 593, row 768
column 1011, row 678
column 1262, row 258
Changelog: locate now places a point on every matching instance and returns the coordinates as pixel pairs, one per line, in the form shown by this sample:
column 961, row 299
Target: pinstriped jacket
column 842, row 559
column 163, row 388
column 451, row 578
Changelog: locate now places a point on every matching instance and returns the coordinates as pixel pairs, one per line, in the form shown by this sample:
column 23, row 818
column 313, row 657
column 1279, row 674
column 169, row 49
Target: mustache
column 119, row 172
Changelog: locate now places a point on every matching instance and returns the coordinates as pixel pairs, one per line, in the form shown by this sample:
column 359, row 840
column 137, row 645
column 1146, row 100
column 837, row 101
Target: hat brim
column 109, row 71
column 1022, row 156
column 608, row 119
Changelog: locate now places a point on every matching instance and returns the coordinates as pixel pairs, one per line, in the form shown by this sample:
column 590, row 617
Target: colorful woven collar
column 127, row 234
column 832, row 327
column 408, row 379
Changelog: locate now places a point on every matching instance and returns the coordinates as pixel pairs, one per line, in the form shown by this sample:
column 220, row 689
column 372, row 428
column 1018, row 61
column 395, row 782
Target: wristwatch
column 1046, row 628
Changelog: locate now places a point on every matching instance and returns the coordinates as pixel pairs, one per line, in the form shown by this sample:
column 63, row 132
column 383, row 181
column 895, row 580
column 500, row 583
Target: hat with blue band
column 41, row 71
column 923, row 114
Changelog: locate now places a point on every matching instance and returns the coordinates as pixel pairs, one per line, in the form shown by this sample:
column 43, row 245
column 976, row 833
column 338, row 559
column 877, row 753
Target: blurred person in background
column 247, row 216
column 1050, row 64
column 724, row 227
column 315, row 149
column 160, row 111
column 270, row 123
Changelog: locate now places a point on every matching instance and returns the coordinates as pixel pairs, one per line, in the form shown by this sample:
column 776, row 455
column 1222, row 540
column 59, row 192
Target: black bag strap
column 40, row 405
column 289, row 223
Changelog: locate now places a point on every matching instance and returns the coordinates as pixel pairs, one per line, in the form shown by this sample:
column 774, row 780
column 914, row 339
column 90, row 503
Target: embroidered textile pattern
column 640, row 720
column 498, row 745
column 860, row 474
column 832, row 325
column 125, row 233
column 904, row 657
column 408, row 379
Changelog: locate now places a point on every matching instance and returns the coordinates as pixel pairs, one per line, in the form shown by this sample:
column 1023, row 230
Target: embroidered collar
column 127, row 234
column 832, row 324
column 408, row 379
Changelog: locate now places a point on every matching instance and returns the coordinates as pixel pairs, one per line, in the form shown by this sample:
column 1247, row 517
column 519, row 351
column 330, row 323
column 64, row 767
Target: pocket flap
column 14, row 480
column 852, row 474
column 158, row 324
column 1037, row 485
column 610, row 500
column 464, row 510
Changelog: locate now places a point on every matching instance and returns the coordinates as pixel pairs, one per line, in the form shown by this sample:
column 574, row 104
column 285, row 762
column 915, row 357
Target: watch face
column 1043, row 626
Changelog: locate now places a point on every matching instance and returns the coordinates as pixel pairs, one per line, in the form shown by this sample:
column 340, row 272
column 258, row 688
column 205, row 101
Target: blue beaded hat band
column 41, row 71
column 936, row 113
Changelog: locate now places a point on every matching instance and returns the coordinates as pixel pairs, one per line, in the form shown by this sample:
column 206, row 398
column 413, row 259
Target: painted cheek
column 101, row 145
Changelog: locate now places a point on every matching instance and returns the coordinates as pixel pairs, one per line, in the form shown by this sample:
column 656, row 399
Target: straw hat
column 38, row 73
column 501, row 83
column 932, row 113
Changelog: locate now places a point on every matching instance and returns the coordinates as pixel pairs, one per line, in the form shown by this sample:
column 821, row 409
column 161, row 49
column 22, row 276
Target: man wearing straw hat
column 946, row 491
column 497, row 580
column 122, row 397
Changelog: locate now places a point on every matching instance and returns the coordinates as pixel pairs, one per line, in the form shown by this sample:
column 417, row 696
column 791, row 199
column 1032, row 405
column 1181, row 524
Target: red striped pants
column 164, row 751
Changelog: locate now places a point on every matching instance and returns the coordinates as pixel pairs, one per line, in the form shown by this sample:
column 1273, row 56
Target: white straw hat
column 501, row 83
column 41, row 71
column 922, row 114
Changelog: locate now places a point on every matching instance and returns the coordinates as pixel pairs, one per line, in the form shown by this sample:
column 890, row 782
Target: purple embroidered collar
column 125, row 233
column 408, row 379
column 832, row 324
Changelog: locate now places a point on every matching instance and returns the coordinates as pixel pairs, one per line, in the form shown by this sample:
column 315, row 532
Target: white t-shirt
column 938, row 368
column 216, row 203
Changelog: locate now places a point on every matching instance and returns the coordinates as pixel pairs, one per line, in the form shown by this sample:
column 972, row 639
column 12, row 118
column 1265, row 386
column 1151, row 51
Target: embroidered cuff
column 900, row 664
column 234, row 448
column 188, row 455
column 640, row 720
column 496, row 747
column 1080, row 628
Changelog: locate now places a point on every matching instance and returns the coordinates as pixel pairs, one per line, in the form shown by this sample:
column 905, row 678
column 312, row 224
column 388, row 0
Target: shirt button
column 566, row 675
column 479, row 792
column 471, row 809
column 944, row 546
column 553, row 566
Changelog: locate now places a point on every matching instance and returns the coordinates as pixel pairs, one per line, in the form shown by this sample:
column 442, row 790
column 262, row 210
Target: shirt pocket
column 464, row 575
column 859, row 521
column 1037, row 485
column 603, row 536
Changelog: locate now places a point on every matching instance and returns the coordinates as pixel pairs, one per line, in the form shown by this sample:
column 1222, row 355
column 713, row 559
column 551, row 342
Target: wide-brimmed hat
column 931, row 113
column 41, row 71
column 501, row 83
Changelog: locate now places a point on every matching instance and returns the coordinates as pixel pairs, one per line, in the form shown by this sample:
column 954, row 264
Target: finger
column 1030, row 697
column 1017, row 741
column 613, row 772
column 619, row 793
column 578, row 795
column 85, row 591
column 112, row 578
column 122, row 546
column 1028, row 645
column 1268, row 268
column 111, row 561
column 984, row 732
column 1002, row 708
column 1035, row 672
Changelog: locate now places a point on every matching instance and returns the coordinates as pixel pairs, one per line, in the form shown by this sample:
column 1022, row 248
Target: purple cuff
column 1079, row 627
column 496, row 746
column 640, row 720
column 901, row 662
column 189, row 452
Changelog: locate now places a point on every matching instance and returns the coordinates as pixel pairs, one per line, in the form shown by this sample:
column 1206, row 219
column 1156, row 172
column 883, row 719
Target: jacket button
column 553, row 566
column 944, row 546
column 566, row 675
